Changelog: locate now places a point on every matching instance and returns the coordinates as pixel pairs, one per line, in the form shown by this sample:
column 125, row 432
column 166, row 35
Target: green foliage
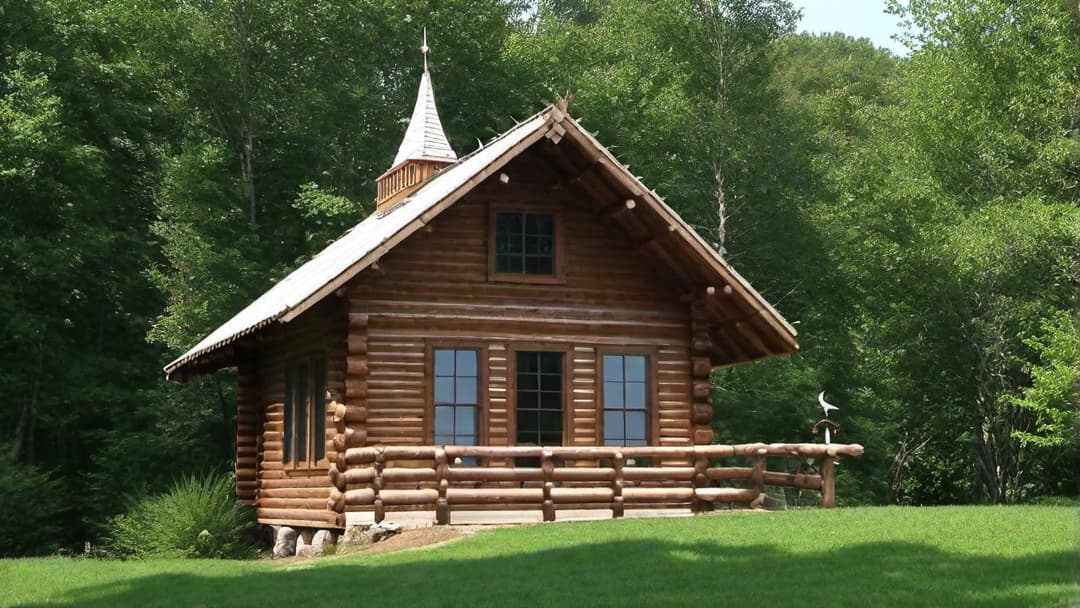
column 31, row 504
column 197, row 517
column 1053, row 398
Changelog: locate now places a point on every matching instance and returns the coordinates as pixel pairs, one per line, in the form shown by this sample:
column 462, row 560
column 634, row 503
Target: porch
column 424, row 485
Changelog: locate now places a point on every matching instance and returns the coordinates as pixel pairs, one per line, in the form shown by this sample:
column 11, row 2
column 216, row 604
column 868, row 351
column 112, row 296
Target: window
column 625, row 400
column 539, row 398
column 456, row 396
column 524, row 244
column 305, row 412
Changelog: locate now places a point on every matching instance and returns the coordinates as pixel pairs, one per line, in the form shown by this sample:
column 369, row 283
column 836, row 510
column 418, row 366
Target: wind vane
column 829, row 425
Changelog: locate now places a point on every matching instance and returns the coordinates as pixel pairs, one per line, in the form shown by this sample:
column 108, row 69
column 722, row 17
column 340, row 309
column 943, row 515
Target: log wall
column 287, row 495
column 248, row 438
column 434, row 290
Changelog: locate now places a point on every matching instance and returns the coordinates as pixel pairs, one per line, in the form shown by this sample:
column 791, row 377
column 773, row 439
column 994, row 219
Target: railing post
column 757, row 477
column 548, row 467
column 617, row 504
column 828, row 482
column 701, row 479
column 442, row 507
column 377, row 485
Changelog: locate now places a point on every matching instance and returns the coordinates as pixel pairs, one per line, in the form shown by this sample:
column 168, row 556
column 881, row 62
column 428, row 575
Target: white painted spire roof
column 425, row 139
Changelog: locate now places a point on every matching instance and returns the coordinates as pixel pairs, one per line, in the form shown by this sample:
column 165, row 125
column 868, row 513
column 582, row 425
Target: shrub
column 197, row 517
column 30, row 506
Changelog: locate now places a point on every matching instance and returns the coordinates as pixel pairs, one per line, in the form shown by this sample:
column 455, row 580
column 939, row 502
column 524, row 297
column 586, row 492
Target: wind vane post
column 424, row 49
column 829, row 425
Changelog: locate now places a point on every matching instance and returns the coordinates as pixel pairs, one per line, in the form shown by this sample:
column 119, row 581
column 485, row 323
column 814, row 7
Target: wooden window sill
column 527, row 278
column 306, row 471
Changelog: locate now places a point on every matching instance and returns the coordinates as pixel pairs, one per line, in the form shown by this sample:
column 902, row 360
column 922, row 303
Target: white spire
column 425, row 139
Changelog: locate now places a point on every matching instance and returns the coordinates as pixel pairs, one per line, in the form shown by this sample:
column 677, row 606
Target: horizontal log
column 350, row 414
column 701, row 367
column 392, row 452
column 361, row 496
column 701, row 344
column 494, row 474
column 292, row 503
column 658, row 473
column 726, row 494
column 462, row 451
column 702, row 413
column 359, row 475
column 672, row 494
column 294, row 493
column 577, row 495
column 409, row 497
column 729, row 472
column 703, row 435
column 355, row 456
column 357, row 344
column 401, row 474
column 295, row 482
column 583, row 474
column 356, row 389
column 356, row 366
column 702, row 389
column 802, row 481
column 349, row 438
column 322, row 515
column 467, row 496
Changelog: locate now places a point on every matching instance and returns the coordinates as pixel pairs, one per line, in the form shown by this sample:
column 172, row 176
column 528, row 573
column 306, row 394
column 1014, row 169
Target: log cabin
column 524, row 333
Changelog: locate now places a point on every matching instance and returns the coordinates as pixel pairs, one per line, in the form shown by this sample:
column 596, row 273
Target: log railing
column 451, row 478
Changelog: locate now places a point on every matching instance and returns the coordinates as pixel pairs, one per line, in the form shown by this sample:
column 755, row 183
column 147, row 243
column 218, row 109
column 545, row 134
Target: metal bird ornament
column 825, row 406
column 829, row 425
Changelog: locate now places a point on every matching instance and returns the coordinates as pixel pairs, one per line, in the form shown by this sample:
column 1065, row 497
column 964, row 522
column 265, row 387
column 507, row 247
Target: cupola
column 423, row 151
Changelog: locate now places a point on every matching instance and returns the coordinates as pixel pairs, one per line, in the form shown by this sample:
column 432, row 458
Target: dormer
column 423, row 151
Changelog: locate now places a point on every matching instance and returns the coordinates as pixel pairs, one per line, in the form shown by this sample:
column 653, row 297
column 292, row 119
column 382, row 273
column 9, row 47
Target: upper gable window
column 525, row 245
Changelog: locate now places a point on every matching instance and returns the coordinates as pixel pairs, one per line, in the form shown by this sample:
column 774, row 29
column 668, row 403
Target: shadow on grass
column 623, row 573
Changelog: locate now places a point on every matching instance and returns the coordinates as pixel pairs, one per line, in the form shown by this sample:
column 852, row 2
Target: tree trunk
column 721, row 210
column 24, row 431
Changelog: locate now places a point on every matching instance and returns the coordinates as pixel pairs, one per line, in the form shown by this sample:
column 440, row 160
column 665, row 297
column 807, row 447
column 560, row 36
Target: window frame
column 511, row 387
column 481, row 389
column 309, row 462
column 652, row 391
column 558, row 276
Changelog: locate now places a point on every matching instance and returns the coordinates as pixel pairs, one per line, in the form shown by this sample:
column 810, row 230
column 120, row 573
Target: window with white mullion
column 625, row 400
column 456, row 396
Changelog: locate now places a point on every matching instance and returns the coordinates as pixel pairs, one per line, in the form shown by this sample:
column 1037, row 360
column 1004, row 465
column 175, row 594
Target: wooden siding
column 435, row 288
column 286, row 495
column 247, row 431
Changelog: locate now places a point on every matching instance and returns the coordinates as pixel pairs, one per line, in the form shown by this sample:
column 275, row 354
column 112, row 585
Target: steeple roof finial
column 424, row 50
column 425, row 139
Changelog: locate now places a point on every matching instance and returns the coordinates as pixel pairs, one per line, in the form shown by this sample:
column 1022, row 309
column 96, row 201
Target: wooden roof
column 744, row 326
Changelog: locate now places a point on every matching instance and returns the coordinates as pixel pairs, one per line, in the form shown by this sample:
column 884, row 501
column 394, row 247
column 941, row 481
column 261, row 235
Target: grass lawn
column 949, row 556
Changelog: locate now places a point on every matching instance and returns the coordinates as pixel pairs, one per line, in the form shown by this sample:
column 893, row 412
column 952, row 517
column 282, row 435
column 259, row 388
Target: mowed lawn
column 951, row 556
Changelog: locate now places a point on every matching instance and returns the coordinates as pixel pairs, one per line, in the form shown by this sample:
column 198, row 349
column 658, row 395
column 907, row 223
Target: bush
column 197, row 517
column 30, row 506
column 1056, row 501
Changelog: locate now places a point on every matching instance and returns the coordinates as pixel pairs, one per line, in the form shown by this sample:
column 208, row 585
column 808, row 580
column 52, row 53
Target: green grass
column 950, row 556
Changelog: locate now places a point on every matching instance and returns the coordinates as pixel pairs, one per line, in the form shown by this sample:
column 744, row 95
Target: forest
column 917, row 218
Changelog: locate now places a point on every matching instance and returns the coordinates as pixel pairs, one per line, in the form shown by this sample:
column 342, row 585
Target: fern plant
column 197, row 517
